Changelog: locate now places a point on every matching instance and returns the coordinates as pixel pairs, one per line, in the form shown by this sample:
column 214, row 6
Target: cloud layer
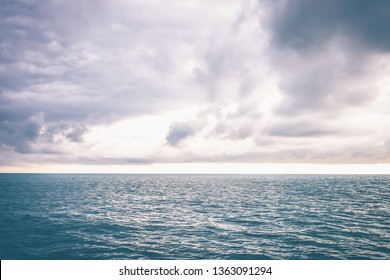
column 121, row 82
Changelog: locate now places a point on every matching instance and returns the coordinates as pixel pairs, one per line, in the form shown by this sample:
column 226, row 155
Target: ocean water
column 47, row 216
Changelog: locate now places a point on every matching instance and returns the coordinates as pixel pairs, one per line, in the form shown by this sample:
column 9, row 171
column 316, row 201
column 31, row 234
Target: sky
column 222, row 86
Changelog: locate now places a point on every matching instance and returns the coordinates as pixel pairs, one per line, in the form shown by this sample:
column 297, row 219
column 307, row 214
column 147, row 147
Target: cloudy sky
column 193, row 85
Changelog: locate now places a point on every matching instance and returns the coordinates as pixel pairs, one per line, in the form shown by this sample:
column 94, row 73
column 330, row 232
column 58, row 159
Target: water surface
column 47, row 216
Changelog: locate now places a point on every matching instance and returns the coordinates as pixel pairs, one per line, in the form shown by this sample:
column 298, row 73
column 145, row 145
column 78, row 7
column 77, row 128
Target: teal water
column 46, row 216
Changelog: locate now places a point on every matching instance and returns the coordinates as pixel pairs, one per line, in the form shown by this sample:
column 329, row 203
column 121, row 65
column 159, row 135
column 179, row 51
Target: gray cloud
column 303, row 24
column 298, row 129
column 324, row 82
column 22, row 134
column 79, row 68
column 26, row 135
column 181, row 131
column 68, row 65
column 233, row 55
column 76, row 134
column 323, row 52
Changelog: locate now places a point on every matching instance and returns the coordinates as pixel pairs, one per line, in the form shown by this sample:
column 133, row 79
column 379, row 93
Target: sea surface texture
column 46, row 216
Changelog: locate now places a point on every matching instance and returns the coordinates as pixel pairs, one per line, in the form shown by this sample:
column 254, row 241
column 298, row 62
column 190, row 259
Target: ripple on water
column 194, row 217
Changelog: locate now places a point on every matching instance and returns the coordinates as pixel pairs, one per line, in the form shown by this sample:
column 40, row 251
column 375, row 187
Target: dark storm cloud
column 323, row 53
column 301, row 24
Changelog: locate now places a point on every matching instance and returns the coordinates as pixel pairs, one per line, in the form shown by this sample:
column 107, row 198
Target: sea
column 193, row 217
